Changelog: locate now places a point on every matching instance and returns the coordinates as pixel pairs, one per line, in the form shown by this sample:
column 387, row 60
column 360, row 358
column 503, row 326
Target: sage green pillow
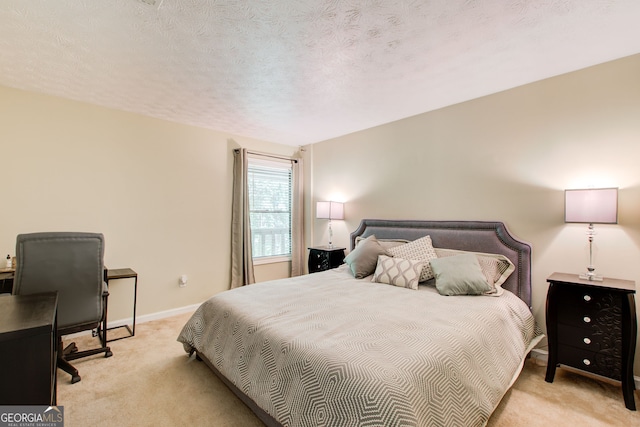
column 459, row 275
column 496, row 267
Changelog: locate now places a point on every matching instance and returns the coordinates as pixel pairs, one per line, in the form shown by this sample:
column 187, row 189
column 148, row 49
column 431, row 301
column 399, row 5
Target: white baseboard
column 142, row 319
column 153, row 316
column 543, row 356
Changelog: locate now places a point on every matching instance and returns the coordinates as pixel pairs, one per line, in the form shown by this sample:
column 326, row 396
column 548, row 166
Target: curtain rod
column 275, row 156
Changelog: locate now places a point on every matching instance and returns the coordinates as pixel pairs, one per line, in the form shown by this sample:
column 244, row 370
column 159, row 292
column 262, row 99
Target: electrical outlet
column 183, row 280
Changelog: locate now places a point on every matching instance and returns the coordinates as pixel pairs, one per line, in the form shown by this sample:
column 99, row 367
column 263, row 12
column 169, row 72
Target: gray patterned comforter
column 328, row 350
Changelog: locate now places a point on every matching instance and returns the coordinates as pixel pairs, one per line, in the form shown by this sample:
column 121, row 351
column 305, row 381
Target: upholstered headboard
column 476, row 236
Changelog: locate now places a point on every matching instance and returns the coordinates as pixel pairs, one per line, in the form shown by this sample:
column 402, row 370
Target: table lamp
column 591, row 206
column 330, row 211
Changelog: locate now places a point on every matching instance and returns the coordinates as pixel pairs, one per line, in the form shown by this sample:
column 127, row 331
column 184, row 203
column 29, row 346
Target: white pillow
column 398, row 271
column 418, row 250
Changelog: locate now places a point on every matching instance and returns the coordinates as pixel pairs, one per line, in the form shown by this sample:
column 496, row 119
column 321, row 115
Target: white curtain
column 241, row 256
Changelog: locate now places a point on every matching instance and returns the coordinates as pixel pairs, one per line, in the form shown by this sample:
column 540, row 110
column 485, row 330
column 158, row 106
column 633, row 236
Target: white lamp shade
column 592, row 206
column 330, row 210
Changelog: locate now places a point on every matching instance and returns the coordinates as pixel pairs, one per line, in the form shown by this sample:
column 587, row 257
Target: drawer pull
column 587, row 341
column 587, row 297
column 586, row 319
column 586, row 362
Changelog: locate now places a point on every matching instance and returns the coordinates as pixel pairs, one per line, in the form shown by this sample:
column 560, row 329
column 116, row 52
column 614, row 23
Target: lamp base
column 591, row 277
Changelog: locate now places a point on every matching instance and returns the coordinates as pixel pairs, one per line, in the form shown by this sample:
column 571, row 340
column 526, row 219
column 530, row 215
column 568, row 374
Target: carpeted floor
column 150, row 381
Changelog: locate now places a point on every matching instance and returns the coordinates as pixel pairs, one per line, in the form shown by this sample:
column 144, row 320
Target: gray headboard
column 476, row 236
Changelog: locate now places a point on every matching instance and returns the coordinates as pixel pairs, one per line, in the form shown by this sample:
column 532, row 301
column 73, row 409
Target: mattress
column 328, row 349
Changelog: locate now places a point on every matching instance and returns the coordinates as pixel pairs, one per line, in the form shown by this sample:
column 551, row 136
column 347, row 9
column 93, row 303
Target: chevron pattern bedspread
column 328, row 350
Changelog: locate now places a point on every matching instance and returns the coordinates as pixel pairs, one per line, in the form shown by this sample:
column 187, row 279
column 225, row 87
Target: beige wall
column 505, row 157
column 159, row 191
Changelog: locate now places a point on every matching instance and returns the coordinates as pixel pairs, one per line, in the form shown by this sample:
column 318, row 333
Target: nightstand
column 591, row 326
column 323, row 258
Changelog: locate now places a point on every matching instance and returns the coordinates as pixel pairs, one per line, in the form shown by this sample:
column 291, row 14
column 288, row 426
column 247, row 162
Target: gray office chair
column 71, row 264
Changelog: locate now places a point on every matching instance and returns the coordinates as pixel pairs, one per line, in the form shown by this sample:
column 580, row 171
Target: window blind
column 270, row 200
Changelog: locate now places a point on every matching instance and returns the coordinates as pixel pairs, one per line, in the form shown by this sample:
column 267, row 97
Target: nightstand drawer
column 318, row 261
column 586, row 297
column 596, row 363
column 591, row 339
column 608, row 316
column 323, row 258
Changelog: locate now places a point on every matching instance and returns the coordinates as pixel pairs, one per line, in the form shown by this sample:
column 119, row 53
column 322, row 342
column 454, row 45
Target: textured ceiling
column 301, row 71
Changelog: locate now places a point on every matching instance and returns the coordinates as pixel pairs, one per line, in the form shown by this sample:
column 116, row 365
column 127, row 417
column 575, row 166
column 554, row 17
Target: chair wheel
column 108, row 354
column 75, row 379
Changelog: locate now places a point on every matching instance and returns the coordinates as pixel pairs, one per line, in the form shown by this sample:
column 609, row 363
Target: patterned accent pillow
column 496, row 267
column 398, row 271
column 418, row 250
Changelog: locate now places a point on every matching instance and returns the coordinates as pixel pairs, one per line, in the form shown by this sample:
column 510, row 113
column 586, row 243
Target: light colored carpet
column 150, row 381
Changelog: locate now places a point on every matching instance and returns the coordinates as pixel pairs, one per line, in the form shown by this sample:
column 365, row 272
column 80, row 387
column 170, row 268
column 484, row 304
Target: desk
column 28, row 349
column 6, row 281
column 125, row 273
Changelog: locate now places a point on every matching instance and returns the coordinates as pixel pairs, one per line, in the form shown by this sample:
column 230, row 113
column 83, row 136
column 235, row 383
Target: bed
column 330, row 349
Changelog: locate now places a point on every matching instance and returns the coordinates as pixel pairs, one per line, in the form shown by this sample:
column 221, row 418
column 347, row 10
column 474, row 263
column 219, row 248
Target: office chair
column 71, row 264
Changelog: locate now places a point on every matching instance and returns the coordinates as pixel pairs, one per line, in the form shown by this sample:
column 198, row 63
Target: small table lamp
column 591, row 206
column 330, row 211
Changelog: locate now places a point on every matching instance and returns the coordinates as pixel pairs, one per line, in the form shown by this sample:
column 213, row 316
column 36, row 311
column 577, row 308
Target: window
column 270, row 200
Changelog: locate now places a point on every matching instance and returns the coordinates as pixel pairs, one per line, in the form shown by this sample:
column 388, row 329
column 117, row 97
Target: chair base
column 71, row 352
column 68, row 368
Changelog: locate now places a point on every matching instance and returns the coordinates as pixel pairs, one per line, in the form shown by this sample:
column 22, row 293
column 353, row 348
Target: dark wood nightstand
column 323, row 258
column 592, row 326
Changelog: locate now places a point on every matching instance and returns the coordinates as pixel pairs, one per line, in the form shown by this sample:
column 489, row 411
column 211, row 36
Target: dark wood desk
column 7, row 278
column 28, row 349
column 6, row 281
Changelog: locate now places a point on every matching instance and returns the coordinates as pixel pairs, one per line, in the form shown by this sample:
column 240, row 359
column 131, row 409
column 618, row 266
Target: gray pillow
column 385, row 243
column 363, row 259
column 459, row 275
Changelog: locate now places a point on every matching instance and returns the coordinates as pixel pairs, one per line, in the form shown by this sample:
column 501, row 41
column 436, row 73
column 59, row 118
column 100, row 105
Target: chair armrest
column 105, row 289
